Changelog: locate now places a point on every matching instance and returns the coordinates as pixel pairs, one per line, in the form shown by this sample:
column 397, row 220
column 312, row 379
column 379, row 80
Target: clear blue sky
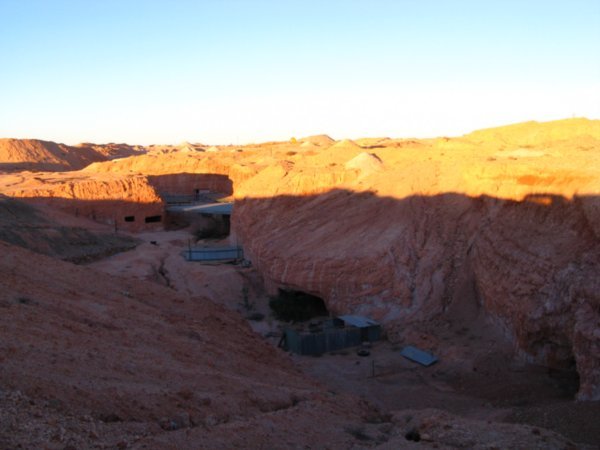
column 227, row 71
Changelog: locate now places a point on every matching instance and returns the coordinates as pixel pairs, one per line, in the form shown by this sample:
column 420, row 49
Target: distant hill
column 114, row 151
column 37, row 155
column 538, row 133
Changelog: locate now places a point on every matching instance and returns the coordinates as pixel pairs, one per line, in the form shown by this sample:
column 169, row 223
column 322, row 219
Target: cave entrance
column 297, row 306
column 566, row 379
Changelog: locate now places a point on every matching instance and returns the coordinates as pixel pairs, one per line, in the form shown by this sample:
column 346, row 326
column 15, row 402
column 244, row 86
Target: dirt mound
column 365, row 163
column 114, row 151
column 319, row 140
column 309, row 146
column 189, row 147
column 33, row 154
column 373, row 142
column 536, row 133
column 346, row 144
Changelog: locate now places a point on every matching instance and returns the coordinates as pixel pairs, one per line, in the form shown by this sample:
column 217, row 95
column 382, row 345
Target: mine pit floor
column 476, row 377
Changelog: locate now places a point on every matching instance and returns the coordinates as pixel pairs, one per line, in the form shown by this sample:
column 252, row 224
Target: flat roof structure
column 205, row 208
column 358, row 321
column 213, row 254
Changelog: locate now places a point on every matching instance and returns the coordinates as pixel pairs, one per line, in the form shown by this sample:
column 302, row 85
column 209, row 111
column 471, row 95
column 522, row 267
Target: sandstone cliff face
column 107, row 199
column 509, row 229
column 179, row 173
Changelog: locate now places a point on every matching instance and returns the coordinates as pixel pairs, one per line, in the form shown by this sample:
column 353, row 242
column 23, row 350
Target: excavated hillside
column 91, row 360
column 110, row 361
column 500, row 226
column 123, row 201
column 29, row 227
column 483, row 249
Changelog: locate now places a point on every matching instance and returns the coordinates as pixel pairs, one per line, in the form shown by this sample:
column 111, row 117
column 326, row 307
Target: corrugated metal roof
column 358, row 321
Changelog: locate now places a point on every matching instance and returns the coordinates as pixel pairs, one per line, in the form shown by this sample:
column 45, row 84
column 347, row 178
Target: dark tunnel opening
column 297, row 306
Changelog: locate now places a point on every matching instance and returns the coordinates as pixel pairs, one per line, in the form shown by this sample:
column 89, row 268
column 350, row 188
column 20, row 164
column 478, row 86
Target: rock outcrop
column 124, row 202
column 510, row 228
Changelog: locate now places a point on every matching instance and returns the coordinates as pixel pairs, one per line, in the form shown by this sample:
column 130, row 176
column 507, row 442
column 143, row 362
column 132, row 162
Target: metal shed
column 331, row 335
column 370, row 329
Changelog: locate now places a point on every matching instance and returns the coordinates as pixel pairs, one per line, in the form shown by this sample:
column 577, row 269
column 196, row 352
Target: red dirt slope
column 32, row 154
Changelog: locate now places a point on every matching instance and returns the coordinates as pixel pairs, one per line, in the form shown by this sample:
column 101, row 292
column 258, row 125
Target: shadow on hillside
column 426, row 255
column 33, row 167
column 127, row 215
column 435, row 254
column 529, row 266
column 24, row 225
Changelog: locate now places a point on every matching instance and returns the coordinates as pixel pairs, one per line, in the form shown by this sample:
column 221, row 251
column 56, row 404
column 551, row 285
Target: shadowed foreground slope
column 135, row 357
column 28, row 227
column 90, row 360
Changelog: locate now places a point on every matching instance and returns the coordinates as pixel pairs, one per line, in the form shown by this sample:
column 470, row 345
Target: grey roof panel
column 205, row 208
column 419, row 356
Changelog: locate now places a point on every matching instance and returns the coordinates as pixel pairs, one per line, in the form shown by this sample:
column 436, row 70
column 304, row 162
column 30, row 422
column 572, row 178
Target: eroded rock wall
column 122, row 201
column 533, row 268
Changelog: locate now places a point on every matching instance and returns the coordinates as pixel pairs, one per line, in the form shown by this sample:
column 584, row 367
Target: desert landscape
column 482, row 250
